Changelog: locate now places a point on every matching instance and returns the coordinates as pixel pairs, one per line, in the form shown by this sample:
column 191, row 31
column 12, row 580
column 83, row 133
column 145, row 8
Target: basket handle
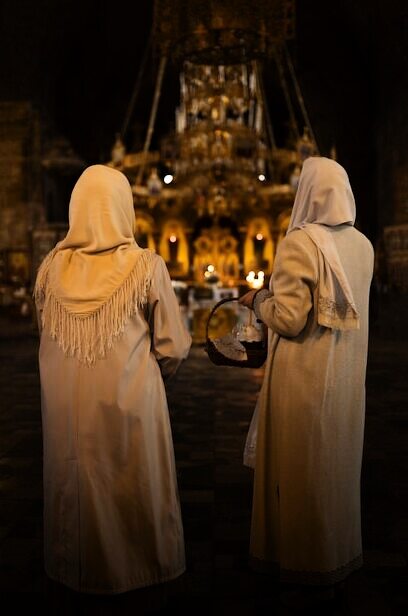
column 217, row 305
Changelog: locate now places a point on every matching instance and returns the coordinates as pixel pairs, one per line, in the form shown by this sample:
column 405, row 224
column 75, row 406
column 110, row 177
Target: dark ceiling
column 78, row 61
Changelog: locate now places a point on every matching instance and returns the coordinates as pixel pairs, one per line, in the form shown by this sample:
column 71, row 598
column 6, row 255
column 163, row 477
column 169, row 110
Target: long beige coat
column 111, row 509
column 306, row 506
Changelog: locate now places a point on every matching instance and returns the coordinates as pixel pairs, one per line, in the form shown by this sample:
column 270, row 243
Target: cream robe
column 306, row 506
column 111, row 509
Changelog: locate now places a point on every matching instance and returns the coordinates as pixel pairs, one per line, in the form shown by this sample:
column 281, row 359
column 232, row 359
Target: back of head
column 97, row 277
column 99, row 250
column 324, row 195
column 101, row 214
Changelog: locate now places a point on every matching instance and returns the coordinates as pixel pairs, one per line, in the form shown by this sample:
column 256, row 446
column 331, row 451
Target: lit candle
column 173, row 248
column 259, row 244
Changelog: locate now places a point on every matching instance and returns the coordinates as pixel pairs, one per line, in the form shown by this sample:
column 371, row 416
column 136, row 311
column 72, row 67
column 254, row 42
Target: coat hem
column 311, row 578
column 115, row 591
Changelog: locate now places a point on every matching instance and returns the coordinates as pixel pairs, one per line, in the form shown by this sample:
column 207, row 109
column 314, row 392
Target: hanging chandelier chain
column 260, row 84
column 300, row 96
column 137, row 86
column 286, row 94
column 153, row 113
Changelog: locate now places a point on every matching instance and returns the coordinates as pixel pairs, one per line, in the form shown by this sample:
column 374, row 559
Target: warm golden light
column 173, row 239
column 255, row 281
column 259, row 236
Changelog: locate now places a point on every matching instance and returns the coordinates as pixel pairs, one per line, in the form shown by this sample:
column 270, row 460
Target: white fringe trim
column 89, row 337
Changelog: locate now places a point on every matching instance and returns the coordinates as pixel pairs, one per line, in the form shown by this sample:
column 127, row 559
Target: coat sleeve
column 286, row 308
column 170, row 339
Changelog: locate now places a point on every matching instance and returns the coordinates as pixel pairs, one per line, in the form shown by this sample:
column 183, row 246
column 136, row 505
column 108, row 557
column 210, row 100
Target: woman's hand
column 248, row 299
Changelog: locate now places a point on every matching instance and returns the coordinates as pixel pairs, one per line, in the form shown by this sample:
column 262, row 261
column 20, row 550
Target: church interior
column 209, row 109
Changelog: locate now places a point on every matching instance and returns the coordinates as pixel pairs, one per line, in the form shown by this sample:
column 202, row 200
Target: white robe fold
column 112, row 518
column 309, row 441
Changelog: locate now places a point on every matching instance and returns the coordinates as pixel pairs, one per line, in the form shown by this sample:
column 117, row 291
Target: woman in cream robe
column 111, row 332
column 310, row 415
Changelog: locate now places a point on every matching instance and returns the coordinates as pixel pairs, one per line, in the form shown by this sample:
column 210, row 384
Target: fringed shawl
column 93, row 281
column 89, row 336
column 324, row 199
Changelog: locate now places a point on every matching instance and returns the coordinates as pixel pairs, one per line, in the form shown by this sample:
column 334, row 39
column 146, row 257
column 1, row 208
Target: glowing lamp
column 255, row 281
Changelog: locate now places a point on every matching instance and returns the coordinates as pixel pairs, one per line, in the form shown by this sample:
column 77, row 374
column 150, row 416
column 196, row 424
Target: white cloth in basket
column 231, row 348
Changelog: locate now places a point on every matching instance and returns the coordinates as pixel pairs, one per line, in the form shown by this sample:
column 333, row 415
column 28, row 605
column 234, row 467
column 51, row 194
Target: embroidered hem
column 310, row 578
column 337, row 315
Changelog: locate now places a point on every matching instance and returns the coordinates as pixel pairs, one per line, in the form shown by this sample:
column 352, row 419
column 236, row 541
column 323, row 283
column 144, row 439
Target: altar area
column 213, row 191
column 213, row 196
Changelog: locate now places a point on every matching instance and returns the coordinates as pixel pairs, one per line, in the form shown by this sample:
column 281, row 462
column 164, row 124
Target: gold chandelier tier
column 215, row 201
column 214, row 32
column 219, row 148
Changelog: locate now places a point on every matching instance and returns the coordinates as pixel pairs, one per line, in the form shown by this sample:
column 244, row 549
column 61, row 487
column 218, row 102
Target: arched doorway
column 258, row 247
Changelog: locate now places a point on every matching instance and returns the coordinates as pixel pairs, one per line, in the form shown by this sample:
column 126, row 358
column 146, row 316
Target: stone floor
column 210, row 410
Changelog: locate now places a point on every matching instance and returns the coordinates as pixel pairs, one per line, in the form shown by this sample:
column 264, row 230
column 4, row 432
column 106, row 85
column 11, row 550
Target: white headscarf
column 324, row 199
column 97, row 276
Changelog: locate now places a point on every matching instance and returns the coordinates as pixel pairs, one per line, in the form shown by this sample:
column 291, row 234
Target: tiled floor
column 210, row 409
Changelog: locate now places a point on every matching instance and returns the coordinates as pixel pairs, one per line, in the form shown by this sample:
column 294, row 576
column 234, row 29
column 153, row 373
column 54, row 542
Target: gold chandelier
column 228, row 32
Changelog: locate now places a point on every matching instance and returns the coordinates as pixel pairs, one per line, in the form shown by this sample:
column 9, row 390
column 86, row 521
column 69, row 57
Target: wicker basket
column 256, row 351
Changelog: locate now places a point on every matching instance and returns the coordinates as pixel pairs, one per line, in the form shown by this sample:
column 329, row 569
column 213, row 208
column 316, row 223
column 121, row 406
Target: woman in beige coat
column 310, row 416
column 111, row 331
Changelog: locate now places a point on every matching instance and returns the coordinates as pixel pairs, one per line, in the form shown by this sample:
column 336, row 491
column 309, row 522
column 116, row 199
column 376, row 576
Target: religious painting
column 18, row 266
column 216, row 256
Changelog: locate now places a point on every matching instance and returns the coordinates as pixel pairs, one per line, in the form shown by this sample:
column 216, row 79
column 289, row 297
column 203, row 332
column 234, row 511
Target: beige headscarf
column 324, row 199
column 93, row 280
